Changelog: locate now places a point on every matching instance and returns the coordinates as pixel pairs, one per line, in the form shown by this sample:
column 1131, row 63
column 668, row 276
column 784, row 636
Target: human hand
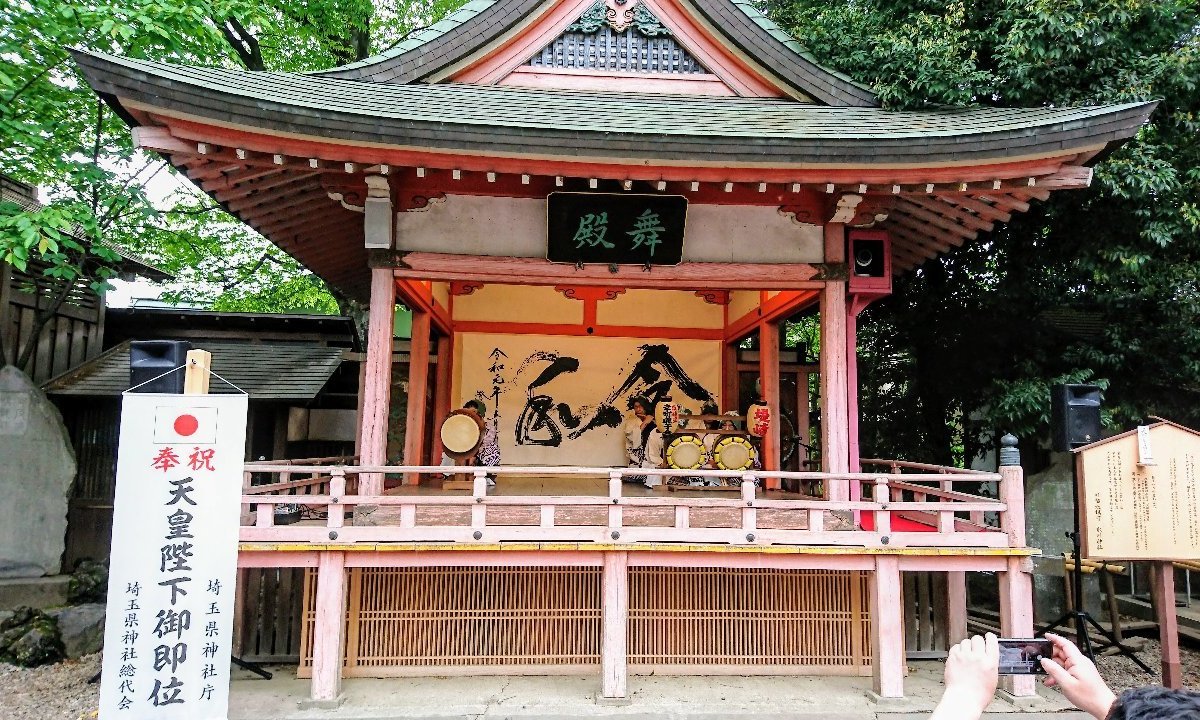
column 971, row 675
column 1077, row 677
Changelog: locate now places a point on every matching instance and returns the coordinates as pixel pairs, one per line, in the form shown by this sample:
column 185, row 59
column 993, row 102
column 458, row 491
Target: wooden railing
column 750, row 519
column 919, row 489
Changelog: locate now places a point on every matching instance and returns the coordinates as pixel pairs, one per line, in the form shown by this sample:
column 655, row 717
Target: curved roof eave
column 580, row 125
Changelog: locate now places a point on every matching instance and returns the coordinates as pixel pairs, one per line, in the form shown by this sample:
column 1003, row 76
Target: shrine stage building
column 580, row 201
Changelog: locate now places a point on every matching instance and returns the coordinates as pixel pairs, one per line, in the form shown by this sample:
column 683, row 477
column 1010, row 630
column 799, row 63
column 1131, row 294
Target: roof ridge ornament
column 619, row 15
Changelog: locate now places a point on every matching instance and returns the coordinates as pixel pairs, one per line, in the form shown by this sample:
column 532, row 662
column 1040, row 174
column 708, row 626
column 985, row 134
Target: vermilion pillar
column 768, row 364
column 418, row 382
column 441, row 391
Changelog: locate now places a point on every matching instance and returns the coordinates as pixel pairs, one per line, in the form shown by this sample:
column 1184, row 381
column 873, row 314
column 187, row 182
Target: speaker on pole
column 1074, row 416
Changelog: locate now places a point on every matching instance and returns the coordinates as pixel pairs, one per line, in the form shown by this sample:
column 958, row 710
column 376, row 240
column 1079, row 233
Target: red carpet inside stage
column 899, row 524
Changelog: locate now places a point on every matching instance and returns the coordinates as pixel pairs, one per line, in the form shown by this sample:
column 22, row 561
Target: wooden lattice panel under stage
column 707, row 619
column 412, row 621
column 506, row 620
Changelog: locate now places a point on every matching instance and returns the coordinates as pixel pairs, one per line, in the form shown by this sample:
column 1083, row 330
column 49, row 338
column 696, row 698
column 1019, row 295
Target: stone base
column 40, row 593
column 894, row 704
column 1023, row 702
column 613, row 701
column 310, row 704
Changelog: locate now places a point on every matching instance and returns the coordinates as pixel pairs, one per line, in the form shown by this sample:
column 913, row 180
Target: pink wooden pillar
column 956, row 603
column 441, row 392
column 1163, row 577
column 329, row 629
column 377, row 378
column 887, row 628
column 614, row 646
column 768, row 368
column 1016, row 618
column 1016, row 583
column 835, row 451
column 418, row 383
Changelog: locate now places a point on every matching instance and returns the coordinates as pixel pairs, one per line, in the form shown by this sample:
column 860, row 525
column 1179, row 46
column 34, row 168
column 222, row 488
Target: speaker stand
column 1082, row 620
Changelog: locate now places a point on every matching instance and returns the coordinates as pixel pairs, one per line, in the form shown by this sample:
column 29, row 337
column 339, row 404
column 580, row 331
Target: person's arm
column 1078, row 679
column 971, row 675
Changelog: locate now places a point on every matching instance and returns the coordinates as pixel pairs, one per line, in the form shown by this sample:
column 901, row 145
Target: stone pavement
column 571, row 697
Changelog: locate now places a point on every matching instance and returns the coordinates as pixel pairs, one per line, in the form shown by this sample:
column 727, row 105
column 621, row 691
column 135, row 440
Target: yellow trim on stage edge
column 634, row 547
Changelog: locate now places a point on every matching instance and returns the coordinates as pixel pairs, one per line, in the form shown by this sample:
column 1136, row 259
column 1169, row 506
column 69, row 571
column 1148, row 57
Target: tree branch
column 243, row 43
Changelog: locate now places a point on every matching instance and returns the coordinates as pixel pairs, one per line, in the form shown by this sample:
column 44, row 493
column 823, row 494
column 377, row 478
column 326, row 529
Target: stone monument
column 37, row 467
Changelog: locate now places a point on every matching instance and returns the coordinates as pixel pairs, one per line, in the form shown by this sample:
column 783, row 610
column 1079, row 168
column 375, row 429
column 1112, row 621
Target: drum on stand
column 461, row 433
column 687, row 452
column 734, row 453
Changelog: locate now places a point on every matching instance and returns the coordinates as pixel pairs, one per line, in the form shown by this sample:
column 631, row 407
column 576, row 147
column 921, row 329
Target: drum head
column 461, row 434
column 686, row 453
column 734, row 453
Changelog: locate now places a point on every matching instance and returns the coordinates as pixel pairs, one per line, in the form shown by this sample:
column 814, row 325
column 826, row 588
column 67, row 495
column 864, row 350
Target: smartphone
column 1021, row 656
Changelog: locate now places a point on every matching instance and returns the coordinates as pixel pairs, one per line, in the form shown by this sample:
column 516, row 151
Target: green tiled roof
column 578, row 124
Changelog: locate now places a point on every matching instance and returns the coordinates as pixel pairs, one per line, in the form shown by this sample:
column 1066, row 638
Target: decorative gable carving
column 618, row 35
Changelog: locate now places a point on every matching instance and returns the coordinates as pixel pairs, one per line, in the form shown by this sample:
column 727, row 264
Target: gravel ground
column 52, row 692
column 1121, row 674
column 61, row 692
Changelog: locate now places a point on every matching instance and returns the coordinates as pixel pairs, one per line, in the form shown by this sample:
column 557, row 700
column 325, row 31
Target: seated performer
column 488, row 453
column 643, row 441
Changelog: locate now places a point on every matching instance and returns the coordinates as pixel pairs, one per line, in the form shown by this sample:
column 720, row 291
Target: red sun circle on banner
column 186, row 425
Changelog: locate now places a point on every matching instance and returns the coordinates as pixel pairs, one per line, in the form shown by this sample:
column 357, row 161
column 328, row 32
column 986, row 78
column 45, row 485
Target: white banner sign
column 169, row 626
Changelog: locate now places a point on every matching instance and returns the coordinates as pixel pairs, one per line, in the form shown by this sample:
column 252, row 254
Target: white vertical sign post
column 169, row 628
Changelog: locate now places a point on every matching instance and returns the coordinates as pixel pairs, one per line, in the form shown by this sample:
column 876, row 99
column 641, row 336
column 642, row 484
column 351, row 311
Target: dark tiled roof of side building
column 266, row 371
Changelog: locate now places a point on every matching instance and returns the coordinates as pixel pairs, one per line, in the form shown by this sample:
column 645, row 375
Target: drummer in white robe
column 643, row 441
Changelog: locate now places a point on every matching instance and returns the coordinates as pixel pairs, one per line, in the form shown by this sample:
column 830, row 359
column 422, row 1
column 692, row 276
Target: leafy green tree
column 1100, row 286
column 56, row 135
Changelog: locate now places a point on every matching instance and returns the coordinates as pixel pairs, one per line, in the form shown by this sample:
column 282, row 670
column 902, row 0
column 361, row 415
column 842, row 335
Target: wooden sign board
column 1137, row 508
column 615, row 229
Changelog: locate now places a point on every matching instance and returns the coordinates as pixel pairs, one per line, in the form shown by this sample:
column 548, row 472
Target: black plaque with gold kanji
column 622, row 229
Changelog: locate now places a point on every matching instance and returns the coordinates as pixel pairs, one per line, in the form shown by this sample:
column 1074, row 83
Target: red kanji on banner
column 165, row 459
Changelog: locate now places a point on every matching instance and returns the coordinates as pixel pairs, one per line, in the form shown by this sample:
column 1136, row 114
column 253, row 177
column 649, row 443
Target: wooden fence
column 467, row 620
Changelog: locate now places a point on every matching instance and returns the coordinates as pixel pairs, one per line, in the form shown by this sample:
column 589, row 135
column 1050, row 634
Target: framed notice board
column 615, row 229
column 1139, row 495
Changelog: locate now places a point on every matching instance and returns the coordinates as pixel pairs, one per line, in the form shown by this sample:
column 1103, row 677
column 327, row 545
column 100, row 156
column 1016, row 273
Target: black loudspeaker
column 150, row 358
column 1074, row 416
column 868, row 258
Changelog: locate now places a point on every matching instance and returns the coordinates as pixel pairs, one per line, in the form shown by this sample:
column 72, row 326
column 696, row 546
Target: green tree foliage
column 1100, row 285
column 56, row 135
